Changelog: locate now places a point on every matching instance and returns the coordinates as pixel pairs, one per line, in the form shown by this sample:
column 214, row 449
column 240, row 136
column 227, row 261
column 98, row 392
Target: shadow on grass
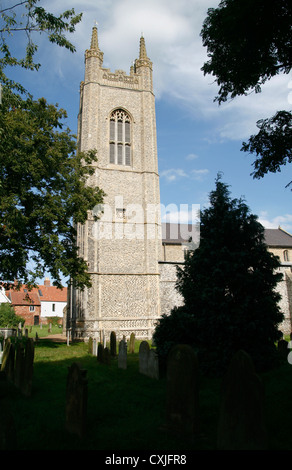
column 125, row 409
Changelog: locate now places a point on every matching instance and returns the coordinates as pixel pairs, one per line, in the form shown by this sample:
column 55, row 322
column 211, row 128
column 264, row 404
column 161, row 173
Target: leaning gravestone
column 143, row 357
column 7, row 365
column 76, row 400
column 241, row 422
column 122, row 358
column 182, row 397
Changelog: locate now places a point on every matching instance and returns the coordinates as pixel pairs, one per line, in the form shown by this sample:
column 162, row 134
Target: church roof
column 178, row 233
column 278, row 237
column 175, row 233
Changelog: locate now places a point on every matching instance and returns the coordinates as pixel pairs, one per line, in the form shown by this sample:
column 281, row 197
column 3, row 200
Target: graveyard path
column 60, row 338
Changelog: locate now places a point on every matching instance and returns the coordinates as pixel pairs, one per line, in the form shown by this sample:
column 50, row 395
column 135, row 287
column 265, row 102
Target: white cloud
column 172, row 33
column 199, row 174
column 174, row 174
column 284, row 221
column 192, row 156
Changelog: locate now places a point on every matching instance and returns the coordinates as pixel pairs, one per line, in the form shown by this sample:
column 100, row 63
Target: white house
column 3, row 296
column 53, row 300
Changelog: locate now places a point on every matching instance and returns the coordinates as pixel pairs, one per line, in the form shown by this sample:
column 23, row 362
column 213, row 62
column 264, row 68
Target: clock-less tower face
column 122, row 248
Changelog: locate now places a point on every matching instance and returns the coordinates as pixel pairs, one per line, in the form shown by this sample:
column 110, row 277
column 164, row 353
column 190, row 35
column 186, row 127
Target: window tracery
column 120, row 138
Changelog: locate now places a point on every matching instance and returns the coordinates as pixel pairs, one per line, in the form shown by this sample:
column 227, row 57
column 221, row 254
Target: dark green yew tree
column 228, row 286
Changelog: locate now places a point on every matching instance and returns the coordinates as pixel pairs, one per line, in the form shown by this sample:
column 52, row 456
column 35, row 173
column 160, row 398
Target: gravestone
column 19, row 364
column 8, row 358
column 182, row 391
column 113, row 344
column 90, row 345
column 132, row 344
column 143, row 357
column 153, row 365
column 76, row 400
column 122, row 358
column 100, row 352
column 26, row 387
column 283, row 348
column 241, row 421
column 94, row 347
column 106, row 356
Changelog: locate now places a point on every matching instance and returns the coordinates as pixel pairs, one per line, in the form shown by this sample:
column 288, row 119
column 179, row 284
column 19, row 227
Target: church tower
column 122, row 249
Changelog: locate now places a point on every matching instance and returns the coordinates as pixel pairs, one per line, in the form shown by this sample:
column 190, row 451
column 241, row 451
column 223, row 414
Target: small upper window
column 120, row 138
column 286, row 255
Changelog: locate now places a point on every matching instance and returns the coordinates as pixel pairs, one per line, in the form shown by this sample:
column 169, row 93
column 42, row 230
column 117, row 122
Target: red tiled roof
column 52, row 294
column 23, row 296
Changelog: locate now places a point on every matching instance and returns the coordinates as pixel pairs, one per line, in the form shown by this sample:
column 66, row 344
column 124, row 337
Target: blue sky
column 196, row 138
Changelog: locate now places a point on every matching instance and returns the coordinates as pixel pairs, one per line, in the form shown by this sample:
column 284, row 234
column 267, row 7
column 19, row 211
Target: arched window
column 120, row 138
column 286, row 255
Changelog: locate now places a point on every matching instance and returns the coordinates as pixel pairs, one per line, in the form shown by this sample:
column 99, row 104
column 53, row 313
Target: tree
column 28, row 17
column 272, row 145
column 43, row 179
column 43, row 192
column 228, row 286
column 8, row 317
column 249, row 42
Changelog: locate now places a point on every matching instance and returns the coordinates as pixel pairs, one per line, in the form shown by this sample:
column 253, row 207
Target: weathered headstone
column 153, row 364
column 90, row 345
column 122, row 358
column 100, row 352
column 132, row 344
column 182, row 397
column 106, row 356
column 76, row 400
column 241, row 421
column 143, row 357
column 113, row 344
column 283, row 348
column 19, row 364
column 8, row 358
column 94, row 347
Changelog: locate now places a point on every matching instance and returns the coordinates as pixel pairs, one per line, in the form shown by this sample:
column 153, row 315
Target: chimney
column 47, row 282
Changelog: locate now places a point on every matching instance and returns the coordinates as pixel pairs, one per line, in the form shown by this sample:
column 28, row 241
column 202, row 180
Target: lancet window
column 120, row 138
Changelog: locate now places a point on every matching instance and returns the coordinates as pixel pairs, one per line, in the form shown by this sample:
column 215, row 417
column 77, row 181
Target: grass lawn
column 126, row 410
